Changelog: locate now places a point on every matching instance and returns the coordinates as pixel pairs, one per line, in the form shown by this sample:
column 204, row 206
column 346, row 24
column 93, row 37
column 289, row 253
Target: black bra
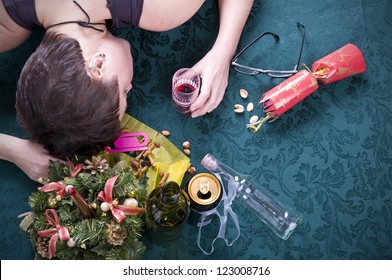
column 23, row 13
column 125, row 13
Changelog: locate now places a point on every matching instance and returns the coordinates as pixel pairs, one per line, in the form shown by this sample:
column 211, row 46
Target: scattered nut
column 124, row 130
column 253, row 119
column 135, row 164
column 151, row 147
column 164, row 178
column 152, row 163
column 250, row 107
column 139, row 156
column 238, row 108
column 243, row 93
column 165, row 132
column 146, row 153
column 141, row 140
column 141, row 171
column 186, row 144
column 157, row 144
column 187, row 151
column 192, row 170
column 144, row 169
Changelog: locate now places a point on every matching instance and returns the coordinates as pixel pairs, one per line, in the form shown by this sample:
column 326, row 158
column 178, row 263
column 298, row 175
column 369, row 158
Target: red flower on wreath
column 57, row 187
column 57, row 231
column 119, row 212
column 74, row 170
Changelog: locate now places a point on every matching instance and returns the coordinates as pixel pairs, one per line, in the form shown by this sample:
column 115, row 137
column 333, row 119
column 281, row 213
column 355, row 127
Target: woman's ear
column 96, row 64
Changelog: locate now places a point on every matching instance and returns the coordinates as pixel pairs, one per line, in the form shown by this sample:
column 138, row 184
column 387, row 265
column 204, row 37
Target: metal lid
column 205, row 191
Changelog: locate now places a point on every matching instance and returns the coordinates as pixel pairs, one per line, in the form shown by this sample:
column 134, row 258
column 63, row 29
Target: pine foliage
column 89, row 236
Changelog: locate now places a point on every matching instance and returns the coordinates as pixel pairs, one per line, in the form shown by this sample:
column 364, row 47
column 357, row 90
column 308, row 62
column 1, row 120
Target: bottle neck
column 215, row 166
column 170, row 193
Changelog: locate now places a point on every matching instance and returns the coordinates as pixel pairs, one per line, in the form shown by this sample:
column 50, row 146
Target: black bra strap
column 86, row 24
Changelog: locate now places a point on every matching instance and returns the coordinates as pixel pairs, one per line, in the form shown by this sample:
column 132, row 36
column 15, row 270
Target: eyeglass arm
column 260, row 71
column 251, row 43
column 272, row 73
column 302, row 27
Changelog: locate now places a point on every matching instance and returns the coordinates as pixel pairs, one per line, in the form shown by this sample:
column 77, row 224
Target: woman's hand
column 214, row 66
column 30, row 157
column 214, row 71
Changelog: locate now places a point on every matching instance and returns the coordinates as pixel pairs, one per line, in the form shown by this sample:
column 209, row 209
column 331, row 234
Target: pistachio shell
column 250, row 107
column 186, row 144
column 192, row 170
column 254, row 119
column 243, row 93
column 238, row 108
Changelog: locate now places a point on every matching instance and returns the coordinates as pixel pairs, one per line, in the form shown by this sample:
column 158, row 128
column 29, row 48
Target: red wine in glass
column 184, row 94
column 185, row 88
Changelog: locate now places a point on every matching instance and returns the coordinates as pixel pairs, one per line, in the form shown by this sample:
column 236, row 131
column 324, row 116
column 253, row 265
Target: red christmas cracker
column 289, row 93
column 340, row 64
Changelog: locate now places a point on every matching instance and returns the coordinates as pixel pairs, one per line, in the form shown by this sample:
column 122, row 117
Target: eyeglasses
column 272, row 73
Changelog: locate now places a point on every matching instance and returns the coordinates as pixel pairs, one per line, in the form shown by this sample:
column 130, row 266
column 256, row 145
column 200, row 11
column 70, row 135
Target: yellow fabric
column 167, row 157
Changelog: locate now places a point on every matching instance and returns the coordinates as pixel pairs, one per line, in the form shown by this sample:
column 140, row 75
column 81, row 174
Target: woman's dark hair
column 60, row 106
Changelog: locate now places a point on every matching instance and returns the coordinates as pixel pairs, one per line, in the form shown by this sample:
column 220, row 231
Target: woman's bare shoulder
column 161, row 15
column 11, row 34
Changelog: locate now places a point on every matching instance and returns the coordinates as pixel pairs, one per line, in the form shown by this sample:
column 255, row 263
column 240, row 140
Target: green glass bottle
column 167, row 210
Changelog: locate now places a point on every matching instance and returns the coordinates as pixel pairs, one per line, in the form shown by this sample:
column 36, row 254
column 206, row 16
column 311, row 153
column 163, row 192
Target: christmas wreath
column 88, row 210
column 92, row 208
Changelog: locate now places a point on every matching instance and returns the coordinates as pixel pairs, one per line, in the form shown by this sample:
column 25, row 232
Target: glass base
column 181, row 109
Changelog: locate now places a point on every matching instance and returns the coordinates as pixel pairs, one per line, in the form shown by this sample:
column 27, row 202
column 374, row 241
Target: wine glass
column 185, row 89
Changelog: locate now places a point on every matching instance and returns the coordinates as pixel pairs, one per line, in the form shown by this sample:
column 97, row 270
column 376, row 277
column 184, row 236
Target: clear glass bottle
column 167, row 210
column 279, row 217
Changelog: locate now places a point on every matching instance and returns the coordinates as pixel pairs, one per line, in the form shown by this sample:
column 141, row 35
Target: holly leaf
column 130, row 250
column 101, row 249
column 135, row 248
column 56, row 171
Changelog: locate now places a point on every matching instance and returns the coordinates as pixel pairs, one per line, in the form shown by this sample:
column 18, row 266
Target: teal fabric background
column 330, row 157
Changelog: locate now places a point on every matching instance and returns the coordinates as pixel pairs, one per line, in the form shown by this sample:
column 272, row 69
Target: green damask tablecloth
column 330, row 157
